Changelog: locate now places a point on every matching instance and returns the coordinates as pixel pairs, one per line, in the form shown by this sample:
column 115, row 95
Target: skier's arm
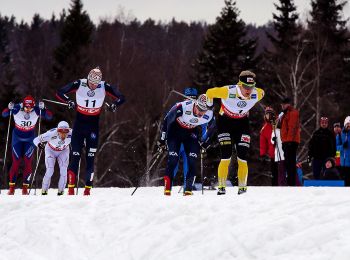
column 210, row 131
column 61, row 94
column 221, row 92
column 45, row 137
column 112, row 91
column 294, row 124
column 175, row 112
column 15, row 110
column 261, row 93
column 45, row 113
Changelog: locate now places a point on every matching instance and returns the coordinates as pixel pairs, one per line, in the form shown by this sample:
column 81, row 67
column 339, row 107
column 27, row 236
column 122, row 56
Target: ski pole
column 149, row 169
column 36, row 168
column 78, row 176
column 179, row 93
column 37, row 152
column 7, row 140
column 55, row 102
column 202, row 178
column 79, row 169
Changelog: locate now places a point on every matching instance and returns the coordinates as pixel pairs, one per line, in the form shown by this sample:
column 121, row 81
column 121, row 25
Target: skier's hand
column 41, row 146
column 71, row 104
column 161, row 144
column 41, row 105
column 11, row 105
column 113, row 108
column 274, row 140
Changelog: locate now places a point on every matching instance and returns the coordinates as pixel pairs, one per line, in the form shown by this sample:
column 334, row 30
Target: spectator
column 267, row 148
column 290, row 135
column 321, row 146
column 330, row 172
column 337, row 131
column 344, row 148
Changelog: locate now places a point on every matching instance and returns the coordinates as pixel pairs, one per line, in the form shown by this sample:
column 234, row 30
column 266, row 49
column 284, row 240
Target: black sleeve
column 69, row 88
column 175, row 112
column 112, row 91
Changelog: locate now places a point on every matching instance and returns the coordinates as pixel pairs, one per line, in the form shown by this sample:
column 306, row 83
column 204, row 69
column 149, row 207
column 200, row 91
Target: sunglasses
column 63, row 130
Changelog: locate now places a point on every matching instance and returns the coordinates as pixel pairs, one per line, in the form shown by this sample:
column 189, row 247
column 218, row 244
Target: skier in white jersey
column 56, row 148
column 181, row 127
column 233, row 125
column 90, row 94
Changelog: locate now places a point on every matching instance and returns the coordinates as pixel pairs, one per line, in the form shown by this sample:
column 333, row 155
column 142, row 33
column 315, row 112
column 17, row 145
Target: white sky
column 252, row 11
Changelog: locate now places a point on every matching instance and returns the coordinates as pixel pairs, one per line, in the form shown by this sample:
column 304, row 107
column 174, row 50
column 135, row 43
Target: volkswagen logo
column 241, row 104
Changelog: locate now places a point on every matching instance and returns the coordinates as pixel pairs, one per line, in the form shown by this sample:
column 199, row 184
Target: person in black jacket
column 321, row 146
column 330, row 172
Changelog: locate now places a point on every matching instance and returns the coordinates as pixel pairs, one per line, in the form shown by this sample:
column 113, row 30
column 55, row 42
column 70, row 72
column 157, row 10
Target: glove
column 345, row 144
column 11, row 105
column 41, row 146
column 71, row 104
column 161, row 145
column 274, row 139
column 113, row 108
column 41, row 105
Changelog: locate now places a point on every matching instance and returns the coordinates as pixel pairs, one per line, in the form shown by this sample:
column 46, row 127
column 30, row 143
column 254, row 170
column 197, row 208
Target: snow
column 265, row 223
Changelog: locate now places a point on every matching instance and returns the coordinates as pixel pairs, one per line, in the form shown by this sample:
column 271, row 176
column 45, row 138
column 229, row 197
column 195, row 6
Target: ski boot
column 25, row 189
column 242, row 190
column 221, row 191
column 44, row 192
column 87, row 190
column 188, row 193
column 11, row 189
column 71, row 182
column 60, row 193
column 167, row 186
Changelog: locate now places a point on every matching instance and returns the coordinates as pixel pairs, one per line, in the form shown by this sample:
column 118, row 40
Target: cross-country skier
column 56, row 148
column 89, row 99
column 233, row 125
column 180, row 127
column 25, row 115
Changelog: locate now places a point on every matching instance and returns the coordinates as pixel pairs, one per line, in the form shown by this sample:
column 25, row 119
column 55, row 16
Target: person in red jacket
column 290, row 135
column 267, row 148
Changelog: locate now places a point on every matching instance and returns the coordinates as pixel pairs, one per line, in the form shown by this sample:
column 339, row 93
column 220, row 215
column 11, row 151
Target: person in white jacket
column 279, row 155
column 56, row 148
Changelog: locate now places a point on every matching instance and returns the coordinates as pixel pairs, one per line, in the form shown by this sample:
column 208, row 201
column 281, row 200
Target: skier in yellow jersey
column 233, row 125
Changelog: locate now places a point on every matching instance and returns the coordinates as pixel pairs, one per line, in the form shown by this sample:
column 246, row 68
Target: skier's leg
column 91, row 149
column 50, row 161
column 77, row 145
column 191, row 147
column 28, row 158
column 63, row 160
column 174, row 143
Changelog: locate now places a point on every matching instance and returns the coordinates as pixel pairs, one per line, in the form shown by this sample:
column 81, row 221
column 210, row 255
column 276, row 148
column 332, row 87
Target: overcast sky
column 252, row 11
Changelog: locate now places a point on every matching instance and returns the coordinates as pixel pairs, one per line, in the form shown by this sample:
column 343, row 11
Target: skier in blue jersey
column 25, row 115
column 90, row 94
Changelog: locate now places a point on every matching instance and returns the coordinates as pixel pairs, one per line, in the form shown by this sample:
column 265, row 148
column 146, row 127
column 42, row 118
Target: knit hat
column 336, row 124
column 347, row 120
column 324, row 119
column 331, row 159
column 247, row 78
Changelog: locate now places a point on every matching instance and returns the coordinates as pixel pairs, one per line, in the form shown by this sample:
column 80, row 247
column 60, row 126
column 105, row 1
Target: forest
column 308, row 62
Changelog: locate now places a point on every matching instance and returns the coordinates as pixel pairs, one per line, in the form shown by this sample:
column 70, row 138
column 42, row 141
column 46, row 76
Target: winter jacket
column 266, row 147
column 322, row 144
column 290, row 128
column 343, row 145
column 331, row 174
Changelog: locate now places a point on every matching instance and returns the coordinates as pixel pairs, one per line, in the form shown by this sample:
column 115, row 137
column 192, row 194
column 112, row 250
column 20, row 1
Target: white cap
column 95, row 76
column 202, row 102
column 63, row 125
column 347, row 120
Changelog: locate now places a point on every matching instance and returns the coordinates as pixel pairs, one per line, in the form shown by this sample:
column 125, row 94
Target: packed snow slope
column 265, row 223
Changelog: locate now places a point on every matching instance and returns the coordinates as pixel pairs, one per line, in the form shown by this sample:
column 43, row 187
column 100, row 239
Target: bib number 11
column 88, row 101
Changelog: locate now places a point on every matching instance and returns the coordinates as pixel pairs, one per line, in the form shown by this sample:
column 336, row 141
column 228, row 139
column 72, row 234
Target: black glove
column 274, row 140
column 41, row 146
column 71, row 104
column 345, row 144
column 113, row 108
column 161, row 145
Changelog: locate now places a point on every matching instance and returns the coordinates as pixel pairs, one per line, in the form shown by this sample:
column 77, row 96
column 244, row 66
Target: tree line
column 308, row 62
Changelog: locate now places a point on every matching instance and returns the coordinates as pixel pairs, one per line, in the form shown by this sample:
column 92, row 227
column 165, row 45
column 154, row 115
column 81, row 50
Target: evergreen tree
column 71, row 57
column 226, row 50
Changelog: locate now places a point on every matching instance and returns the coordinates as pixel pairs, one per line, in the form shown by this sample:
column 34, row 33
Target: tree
column 71, row 57
column 226, row 51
